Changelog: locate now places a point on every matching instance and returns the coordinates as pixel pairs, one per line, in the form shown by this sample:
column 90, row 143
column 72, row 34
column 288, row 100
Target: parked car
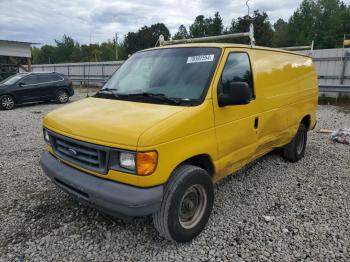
column 34, row 87
column 174, row 120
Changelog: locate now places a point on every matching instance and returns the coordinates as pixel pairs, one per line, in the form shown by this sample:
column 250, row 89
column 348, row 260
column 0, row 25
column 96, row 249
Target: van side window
column 237, row 69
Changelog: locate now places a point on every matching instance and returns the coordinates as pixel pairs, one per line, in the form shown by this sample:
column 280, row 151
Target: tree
column 145, row 37
column 199, row 27
column 202, row 26
column 67, row 50
column 181, row 33
column 280, row 36
column 324, row 21
column 215, row 25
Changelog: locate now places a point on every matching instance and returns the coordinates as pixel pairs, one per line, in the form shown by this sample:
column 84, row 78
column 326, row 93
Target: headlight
column 46, row 136
column 127, row 160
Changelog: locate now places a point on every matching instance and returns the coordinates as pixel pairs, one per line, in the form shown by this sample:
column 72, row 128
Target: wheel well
column 9, row 95
column 203, row 161
column 306, row 121
column 62, row 89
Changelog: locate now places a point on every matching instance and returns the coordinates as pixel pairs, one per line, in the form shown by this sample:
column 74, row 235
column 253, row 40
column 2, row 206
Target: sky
column 42, row 21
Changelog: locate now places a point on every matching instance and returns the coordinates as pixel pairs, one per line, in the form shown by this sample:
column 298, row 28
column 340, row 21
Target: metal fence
column 332, row 65
column 91, row 73
column 333, row 69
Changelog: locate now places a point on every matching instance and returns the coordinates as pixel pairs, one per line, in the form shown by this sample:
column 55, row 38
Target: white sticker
column 200, row 59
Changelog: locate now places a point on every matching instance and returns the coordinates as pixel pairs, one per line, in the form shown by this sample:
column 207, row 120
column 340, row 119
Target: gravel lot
column 271, row 210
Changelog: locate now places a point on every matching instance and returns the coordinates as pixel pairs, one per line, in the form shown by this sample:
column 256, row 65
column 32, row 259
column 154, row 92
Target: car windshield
column 181, row 74
column 12, row 79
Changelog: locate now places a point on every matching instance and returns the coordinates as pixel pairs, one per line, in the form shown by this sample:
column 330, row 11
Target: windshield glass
column 12, row 79
column 178, row 73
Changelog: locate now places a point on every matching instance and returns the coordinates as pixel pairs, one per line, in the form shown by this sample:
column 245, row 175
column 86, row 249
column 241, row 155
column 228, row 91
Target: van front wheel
column 187, row 204
column 295, row 150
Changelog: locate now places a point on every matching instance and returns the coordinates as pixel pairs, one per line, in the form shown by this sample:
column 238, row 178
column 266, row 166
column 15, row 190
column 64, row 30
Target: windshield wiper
column 158, row 96
column 108, row 90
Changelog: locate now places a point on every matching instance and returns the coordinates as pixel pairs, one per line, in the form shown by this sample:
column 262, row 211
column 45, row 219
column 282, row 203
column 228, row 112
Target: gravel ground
column 271, row 210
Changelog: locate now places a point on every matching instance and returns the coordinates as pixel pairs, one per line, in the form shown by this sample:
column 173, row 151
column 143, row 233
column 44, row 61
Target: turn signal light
column 146, row 162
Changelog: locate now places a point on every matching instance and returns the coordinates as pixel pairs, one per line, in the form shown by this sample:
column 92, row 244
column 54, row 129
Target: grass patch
column 342, row 99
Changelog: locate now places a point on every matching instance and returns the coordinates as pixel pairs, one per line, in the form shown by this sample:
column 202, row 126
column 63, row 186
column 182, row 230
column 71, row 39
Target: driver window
column 237, row 69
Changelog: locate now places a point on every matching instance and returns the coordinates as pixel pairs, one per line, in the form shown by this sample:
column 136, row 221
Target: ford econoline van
column 174, row 120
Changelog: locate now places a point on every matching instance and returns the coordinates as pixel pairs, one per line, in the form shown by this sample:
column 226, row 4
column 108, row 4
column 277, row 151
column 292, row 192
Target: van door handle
column 256, row 123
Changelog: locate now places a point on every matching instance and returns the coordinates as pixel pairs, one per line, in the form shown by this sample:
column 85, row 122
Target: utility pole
column 116, row 46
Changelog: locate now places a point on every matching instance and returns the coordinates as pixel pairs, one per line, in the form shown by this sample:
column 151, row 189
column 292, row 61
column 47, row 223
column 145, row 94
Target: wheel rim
column 7, row 102
column 63, row 97
column 301, row 142
column 192, row 206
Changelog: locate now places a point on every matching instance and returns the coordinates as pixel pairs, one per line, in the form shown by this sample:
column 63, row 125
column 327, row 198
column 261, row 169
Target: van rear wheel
column 295, row 150
column 187, row 204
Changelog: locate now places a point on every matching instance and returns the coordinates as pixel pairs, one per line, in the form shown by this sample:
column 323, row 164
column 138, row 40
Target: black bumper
column 110, row 197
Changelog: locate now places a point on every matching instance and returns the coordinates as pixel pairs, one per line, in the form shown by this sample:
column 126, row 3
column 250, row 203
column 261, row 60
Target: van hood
column 108, row 122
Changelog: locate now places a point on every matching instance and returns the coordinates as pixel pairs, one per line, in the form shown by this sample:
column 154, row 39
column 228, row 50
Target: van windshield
column 165, row 76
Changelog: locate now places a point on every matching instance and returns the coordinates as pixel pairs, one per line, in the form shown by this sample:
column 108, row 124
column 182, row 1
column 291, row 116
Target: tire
column 7, row 102
column 62, row 96
column 187, row 204
column 295, row 150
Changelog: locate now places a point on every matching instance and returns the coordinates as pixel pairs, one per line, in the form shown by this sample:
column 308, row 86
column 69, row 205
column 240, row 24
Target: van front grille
column 86, row 155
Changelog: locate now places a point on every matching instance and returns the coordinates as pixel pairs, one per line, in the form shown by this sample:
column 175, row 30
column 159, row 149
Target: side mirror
column 21, row 84
column 238, row 93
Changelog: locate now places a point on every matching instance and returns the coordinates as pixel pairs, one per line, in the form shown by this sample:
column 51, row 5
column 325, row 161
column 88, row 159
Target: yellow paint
column 286, row 90
column 347, row 42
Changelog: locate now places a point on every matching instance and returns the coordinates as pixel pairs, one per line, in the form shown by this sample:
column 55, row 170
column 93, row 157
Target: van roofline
column 227, row 45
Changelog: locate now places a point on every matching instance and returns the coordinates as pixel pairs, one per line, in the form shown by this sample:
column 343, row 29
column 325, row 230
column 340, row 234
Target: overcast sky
column 45, row 20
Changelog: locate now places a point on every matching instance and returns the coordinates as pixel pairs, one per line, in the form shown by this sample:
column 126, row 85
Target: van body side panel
column 175, row 145
column 280, row 81
column 285, row 87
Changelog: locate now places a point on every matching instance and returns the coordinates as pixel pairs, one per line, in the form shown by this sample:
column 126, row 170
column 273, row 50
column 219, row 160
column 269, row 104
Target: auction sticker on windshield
column 200, row 59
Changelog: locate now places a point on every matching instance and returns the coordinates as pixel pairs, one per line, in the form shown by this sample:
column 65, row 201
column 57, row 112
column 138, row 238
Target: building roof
column 15, row 48
column 21, row 42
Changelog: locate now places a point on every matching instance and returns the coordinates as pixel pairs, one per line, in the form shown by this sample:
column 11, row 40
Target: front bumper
column 108, row 196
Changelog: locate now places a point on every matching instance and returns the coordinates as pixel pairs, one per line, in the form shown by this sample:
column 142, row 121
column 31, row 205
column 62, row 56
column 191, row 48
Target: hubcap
column 300, row 143
column 7, row 102
column 63, row 97
column 192, row 206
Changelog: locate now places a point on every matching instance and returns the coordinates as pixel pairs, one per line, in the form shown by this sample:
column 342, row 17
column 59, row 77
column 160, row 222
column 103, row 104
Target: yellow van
column 174, row 120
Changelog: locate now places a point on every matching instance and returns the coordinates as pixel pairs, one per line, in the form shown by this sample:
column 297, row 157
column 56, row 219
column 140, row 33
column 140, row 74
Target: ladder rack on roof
column 300, row 48
column 249, row 34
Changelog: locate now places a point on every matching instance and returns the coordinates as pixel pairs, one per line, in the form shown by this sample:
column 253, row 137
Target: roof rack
column 300, row 48
column 249, row 34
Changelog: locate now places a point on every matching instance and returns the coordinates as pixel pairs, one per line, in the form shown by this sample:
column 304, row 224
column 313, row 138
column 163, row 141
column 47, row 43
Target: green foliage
column 181, row 33
column 280, row 36
column 324, row 21
column 146, row 37
column 206, row 26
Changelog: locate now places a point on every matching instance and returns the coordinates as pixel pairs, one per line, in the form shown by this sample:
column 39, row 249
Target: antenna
column 251, row 26
column 87, row 87
column 246, row 3
column 116, row 46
